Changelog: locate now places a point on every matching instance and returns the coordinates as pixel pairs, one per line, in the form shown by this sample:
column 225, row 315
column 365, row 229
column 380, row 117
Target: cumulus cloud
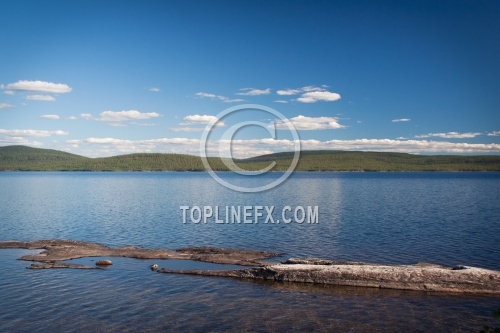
column 400, row 120
column 126, row 115
column 315, row 96
column 6, row 106
column 72, row 118
column 494, row 133
column 8, row 92
column 199, row 119
column 218, row 97
column 310, row 94
column 34, row 133
column 254, row 92
column 50, row 116
column 45, row 98
column 43, row 86
column 119, row 116
column 449, row 135
column 311, row 123
column 154, row 89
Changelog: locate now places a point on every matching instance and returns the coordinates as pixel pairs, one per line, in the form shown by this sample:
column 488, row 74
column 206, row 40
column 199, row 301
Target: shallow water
column 447, row 218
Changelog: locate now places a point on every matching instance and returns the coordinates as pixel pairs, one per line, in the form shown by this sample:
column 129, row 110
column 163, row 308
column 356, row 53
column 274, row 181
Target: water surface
column 447, row 218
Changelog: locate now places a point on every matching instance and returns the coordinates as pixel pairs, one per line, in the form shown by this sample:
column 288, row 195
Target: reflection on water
column 448, row 218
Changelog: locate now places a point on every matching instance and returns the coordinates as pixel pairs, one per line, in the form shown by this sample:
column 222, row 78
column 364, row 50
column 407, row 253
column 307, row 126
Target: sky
column 103, row 78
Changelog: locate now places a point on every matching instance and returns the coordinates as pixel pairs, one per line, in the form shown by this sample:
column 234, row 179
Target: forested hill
column 35, row 159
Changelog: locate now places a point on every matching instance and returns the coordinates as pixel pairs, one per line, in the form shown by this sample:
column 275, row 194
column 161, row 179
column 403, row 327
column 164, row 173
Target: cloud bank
column 449, row 135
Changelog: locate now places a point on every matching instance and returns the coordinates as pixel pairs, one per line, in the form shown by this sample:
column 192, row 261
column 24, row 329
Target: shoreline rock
column 60, row 250
column 421, row 276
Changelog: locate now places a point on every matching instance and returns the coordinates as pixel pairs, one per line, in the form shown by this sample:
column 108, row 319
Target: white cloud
column 404, row 146
column 72, row 118
column 449, row 135
column 126, row 115
column 187, row 129
column 43, row 86
column 153, row 89
column 312, row 88
column 280, row 101
column 34, row 133
column 359, row 121
column 254, row 92
column 494, row 133
column 311, row 123
column 50, row 116
column 8, row 92
column 400, row 120
column 87, row 116
column 6, row 106
column 117, row 125
column 15, row 140
column 315, row 96
column 118, row 116
column 288, row 92
column 45, row 98
column 311, row 94
column 218, row 97
column 199, row 119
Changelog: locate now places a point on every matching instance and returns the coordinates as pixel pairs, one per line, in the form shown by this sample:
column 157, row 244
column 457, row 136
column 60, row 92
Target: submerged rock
column 48, row 265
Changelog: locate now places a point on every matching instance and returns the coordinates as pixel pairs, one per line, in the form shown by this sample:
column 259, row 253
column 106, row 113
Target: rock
column 59, row 250
column 104, row 262
column 316, row 261
column 404, row 277
column 154, row 267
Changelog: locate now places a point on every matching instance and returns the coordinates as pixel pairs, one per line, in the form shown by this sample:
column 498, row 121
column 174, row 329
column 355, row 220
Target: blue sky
column 105, row 78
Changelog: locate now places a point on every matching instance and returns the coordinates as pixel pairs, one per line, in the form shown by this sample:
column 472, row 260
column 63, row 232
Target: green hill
column 35, row 159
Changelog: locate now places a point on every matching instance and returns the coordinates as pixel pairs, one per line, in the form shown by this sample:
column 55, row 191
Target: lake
column 400, row 218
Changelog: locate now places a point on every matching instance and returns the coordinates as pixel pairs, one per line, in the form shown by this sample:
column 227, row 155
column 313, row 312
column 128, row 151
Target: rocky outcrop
column 104, row 262
column 422, row 276
column 59, row 250
column 425, row 277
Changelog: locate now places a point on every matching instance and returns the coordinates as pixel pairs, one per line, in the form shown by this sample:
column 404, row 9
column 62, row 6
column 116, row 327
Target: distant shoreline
column 22, row 158
column 302, row 171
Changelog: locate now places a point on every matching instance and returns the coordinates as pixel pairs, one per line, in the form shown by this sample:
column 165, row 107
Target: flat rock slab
column 424, row 277
column 60, row 250
column 49, row 265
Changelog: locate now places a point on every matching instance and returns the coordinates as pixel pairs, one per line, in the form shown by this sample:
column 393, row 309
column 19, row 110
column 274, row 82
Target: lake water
column 405, row 218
